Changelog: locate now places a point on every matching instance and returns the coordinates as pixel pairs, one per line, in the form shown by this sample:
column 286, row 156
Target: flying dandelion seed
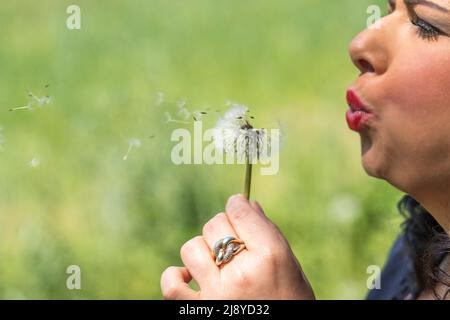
column 34, row 163
column 198, row 115
column 169, row 119
column 183, row 115
column 234, row 134
column 132, row 143
column 186, row 114
column 33, row 101
column 181, row 103
column 182, row 111
column 44, row 100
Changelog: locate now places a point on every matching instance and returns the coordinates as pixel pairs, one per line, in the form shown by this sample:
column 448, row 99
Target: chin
column 378, row 165
column 371, row 167
column 372, row 160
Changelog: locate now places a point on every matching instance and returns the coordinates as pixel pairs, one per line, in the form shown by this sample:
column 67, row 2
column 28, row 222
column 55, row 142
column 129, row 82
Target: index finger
column 249, row 221
column 174, row 284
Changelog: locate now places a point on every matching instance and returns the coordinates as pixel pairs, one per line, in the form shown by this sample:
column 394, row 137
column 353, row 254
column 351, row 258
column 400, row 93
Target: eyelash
column 425, row 30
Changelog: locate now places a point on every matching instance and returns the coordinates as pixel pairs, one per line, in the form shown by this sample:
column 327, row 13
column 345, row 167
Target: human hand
column 265, row 269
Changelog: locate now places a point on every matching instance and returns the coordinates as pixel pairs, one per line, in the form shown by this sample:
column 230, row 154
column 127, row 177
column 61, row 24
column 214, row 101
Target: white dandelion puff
column 228, row 128
column 132, row 143
column 252, row 145
column 234, row 134
column 236, row 115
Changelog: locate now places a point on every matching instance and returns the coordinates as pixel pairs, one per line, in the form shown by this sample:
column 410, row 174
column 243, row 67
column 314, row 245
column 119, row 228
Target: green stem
column 248, row 179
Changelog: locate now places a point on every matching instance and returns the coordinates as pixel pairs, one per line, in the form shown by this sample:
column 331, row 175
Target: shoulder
column 398, row 279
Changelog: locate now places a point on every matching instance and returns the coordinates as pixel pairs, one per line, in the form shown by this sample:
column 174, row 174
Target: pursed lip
column 354, row 102
column 358, row 114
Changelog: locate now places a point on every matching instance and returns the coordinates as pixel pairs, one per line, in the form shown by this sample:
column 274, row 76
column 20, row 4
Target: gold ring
column 226, row 248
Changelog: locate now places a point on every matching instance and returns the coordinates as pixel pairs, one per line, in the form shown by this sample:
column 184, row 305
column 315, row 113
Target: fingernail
column 234, row 197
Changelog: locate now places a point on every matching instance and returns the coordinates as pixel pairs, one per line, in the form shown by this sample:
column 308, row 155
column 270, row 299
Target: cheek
column 418, row 98
column 414, row 129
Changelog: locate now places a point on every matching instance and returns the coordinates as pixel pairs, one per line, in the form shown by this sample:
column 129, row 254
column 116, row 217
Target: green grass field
column 67, row 197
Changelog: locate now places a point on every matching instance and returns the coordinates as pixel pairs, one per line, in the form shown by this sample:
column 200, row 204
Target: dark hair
column 428, row 244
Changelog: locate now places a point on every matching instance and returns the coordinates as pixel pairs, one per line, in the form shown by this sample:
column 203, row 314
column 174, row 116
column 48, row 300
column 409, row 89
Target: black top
column 398, row 279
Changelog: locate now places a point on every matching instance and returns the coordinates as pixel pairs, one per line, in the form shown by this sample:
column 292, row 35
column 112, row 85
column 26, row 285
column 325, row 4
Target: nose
column 369, row 51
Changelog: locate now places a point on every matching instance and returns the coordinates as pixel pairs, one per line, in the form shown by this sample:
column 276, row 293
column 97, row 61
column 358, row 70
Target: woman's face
column 400, row 103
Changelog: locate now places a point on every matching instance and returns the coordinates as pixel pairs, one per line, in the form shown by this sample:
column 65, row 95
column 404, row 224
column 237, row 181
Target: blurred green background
column 68, row 197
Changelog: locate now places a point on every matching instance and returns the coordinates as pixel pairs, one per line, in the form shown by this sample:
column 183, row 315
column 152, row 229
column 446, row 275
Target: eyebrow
column 425, row 3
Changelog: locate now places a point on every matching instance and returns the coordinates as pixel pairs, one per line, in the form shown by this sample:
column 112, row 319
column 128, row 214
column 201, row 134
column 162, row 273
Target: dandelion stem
column 248, row 171
column 248, row 179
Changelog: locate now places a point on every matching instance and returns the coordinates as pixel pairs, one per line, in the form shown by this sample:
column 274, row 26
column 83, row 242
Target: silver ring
column 226, row 248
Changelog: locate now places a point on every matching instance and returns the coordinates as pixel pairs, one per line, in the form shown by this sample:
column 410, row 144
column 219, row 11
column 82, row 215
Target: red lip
column 357, row 115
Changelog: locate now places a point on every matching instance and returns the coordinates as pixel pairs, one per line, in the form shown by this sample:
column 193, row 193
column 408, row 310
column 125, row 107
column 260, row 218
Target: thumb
column 255, row 205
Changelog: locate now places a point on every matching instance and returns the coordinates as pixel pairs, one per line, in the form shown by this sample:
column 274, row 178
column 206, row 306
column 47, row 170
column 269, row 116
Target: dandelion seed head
column 228, row 128
column 235, row 116
column 225, row 137
column 234, row 133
